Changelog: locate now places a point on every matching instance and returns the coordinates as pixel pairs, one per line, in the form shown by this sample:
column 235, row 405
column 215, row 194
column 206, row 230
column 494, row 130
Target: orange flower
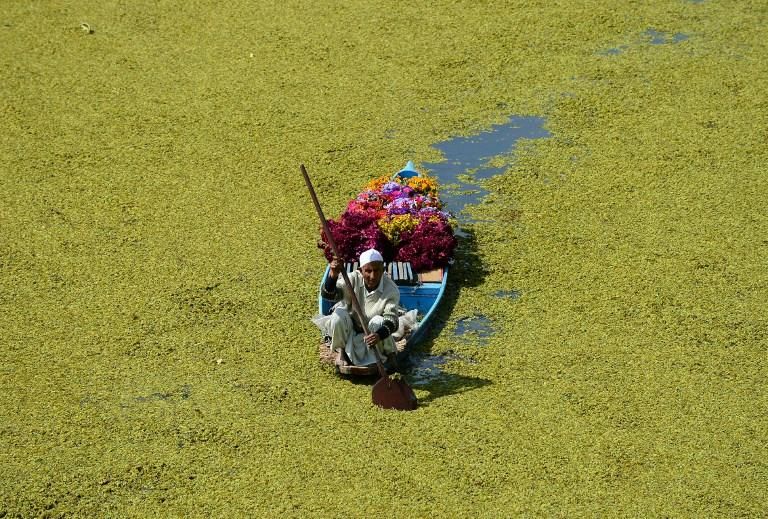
column 377, row 183
column 423, row 185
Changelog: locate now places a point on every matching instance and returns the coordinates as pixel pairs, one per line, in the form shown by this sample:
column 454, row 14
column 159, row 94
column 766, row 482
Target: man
column 378, row 297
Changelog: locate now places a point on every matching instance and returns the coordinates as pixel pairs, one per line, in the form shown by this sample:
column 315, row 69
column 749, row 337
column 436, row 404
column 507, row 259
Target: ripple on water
column 426, row 368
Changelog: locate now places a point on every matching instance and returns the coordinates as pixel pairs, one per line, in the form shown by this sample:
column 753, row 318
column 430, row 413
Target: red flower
column 430, row 245
column 354, row 233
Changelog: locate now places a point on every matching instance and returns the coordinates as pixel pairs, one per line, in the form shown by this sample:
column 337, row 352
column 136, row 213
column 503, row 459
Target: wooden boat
column 418, row 291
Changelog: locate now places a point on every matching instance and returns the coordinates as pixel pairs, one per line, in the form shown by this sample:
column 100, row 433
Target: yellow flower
column 396, row 225
column 423, row 184
column 377, row 183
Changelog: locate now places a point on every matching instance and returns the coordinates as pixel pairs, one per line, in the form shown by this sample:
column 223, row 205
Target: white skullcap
column 369, row 256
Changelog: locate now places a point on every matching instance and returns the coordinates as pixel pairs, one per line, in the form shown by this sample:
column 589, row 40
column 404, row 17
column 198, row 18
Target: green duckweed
column 158, row 266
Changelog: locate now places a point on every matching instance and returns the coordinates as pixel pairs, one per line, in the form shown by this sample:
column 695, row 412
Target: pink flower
column 354, row 233
column 428, row 245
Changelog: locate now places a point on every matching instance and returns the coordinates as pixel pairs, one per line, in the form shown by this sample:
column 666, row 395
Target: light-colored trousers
column 343, row 336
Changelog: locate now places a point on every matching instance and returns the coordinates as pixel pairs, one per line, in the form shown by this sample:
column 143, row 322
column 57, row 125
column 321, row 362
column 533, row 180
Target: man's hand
column 371, row 340
column 336, row 266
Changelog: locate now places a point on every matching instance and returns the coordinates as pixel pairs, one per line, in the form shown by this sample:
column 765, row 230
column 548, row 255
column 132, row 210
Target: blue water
column 615, row 50
column 476, row 325
column 429, row 368
column 426, row 368
column 507, row 294
column 661, row 37
column 471, row 156
column 653, row 37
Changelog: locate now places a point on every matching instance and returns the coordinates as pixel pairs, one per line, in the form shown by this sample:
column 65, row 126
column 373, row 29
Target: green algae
column 158, row 268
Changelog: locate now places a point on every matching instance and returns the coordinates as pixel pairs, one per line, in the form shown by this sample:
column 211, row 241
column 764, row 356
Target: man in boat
column 378, row 297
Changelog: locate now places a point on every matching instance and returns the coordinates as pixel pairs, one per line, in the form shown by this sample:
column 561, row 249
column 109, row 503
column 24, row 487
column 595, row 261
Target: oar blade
column 390, row 393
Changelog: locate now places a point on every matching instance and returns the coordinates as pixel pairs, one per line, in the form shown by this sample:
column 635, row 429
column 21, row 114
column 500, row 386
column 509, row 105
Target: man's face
column 372, row 273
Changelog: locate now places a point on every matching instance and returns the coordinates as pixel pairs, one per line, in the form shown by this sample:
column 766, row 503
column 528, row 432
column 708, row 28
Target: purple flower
column 390, row 187
column 432, row 212
column 405, row 192
column 400, row 206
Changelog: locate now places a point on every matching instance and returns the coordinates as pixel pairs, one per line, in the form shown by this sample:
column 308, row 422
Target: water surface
column 468, row 160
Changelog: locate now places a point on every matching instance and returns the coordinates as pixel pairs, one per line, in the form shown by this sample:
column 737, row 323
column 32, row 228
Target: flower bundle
column 401, row 218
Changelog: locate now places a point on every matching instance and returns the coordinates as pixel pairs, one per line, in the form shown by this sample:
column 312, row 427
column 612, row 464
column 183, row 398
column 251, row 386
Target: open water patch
column 470, row 160
column 651, row 36
column 478, row 326
column 613, row 51
column 508, row 294
column 661, row 37
column 425, row 369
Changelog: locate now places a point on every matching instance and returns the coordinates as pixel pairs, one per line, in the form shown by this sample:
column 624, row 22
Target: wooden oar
column 387, row 392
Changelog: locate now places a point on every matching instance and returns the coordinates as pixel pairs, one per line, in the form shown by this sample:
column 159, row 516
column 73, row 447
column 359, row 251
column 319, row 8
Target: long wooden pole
column 355, row 303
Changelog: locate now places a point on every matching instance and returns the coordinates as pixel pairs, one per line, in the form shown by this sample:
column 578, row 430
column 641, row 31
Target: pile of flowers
column 401, row 218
